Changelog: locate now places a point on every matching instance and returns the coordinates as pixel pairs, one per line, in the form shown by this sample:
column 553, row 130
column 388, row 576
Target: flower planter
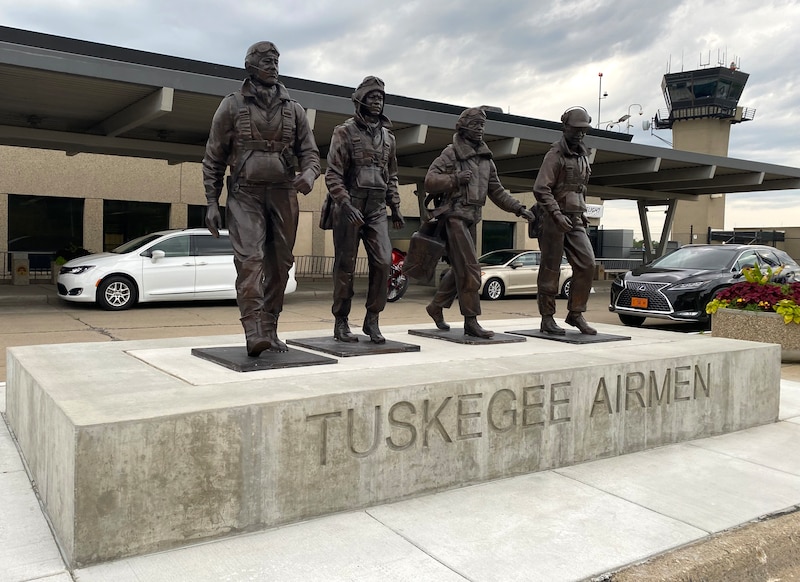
column 758, row 326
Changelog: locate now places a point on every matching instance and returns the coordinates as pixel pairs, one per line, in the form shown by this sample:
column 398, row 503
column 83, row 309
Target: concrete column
column 3, row 223
column 314, row 234
column 191, row 183
column 178, row 215
column 304, row 243
column 93, row 225
column 521, row 239
column 419, row 192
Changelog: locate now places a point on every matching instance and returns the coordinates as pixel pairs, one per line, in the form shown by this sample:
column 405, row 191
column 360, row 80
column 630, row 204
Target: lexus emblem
column 642, row 288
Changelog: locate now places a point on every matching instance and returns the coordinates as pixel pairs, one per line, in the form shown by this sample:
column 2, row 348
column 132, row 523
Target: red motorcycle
column 398, row 282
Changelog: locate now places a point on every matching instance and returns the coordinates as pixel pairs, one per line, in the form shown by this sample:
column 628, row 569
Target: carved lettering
column 530, row 406
column 634, row 384
column 395, row 422
column 463, row 417
column 323, row 445
column 601, row 398
column 653, row 395
column 554, row 402
column 376, row 435
column 434, row 421
column 509, row 411
column 700, row 381
column 681, row 381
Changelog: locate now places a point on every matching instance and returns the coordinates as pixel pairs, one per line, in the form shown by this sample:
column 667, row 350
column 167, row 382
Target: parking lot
column 34, row 315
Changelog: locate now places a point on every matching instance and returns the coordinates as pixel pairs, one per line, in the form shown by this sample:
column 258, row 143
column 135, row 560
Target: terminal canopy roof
column 77, row 96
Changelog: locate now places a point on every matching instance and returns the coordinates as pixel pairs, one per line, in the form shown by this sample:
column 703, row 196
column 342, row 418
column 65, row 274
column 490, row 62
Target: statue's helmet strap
column 368, row 85
column 576, row 117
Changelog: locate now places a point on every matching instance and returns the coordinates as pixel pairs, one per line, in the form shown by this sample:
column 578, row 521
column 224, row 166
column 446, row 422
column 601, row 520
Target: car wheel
column 494, row 289
column 116, row 293
column 631, row 320
column 565, row 288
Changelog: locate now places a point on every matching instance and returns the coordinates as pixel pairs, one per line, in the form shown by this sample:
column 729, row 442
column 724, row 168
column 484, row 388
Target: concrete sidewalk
column 575, row 523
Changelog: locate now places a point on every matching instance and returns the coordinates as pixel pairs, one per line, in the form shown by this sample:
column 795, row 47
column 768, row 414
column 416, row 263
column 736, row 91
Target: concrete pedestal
column 140, row 446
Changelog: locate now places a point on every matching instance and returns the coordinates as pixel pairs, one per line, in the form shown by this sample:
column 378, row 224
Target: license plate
column 640, row 302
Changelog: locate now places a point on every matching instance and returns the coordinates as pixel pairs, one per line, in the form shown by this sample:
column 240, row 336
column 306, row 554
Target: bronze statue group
column 258, row 132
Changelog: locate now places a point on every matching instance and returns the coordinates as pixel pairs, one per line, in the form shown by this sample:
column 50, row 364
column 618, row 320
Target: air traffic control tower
column 702, row 106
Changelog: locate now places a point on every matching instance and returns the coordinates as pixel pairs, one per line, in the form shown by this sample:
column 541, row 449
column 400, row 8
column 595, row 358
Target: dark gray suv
column 678, row 286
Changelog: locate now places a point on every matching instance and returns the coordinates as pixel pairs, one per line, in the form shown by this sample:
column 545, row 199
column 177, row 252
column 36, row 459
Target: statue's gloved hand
column 213, row 218
column 563, row 223
column 585, row 220
column 352, row 214
column 464, row 176
column 304, row 181
column 398, row 221
column 526, row 214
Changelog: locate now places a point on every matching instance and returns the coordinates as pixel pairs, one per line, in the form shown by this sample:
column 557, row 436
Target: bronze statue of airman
column 560, row 190
column 362, row 180
column 258, row 132
column 461, row 179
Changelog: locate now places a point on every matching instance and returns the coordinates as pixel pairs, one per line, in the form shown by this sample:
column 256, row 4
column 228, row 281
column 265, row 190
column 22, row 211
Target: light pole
column 629, row 124
column 616, row 123
column 600, row 97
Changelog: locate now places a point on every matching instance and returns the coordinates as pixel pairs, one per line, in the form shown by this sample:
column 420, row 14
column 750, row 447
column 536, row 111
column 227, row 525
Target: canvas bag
column 535, row 225
column 425, row 251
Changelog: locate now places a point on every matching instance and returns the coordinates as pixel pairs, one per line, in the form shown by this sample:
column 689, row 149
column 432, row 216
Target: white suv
column 170, row 265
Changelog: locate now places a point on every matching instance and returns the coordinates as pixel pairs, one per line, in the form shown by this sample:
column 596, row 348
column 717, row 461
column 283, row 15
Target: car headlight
column 691, row 285
column 76, row 270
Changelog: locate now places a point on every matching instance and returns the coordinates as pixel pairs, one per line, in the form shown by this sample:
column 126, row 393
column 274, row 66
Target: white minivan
column 169, row 265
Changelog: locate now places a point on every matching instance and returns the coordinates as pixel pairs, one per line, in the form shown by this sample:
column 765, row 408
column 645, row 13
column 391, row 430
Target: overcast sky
column 533, row 58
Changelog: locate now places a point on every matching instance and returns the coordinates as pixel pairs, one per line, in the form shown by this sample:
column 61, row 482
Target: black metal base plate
column 236, row 358
column 363, row 347
column 458, row 336
column 572, row 337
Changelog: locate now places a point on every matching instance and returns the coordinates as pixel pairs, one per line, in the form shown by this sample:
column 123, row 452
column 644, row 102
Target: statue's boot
column 576, row 319
column 549, row 325
column 370, row 328
column 269, row 324
column 473, row 328
column 256, row 338
column 437, row 316
column 341, row 331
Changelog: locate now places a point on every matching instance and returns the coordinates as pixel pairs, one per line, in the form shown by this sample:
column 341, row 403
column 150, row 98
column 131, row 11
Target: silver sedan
column 514, row 272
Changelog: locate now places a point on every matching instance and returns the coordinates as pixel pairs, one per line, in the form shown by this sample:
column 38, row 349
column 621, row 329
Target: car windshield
column 709, row 258
column 497, row 257
column 136, row 243
column 784, row 258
